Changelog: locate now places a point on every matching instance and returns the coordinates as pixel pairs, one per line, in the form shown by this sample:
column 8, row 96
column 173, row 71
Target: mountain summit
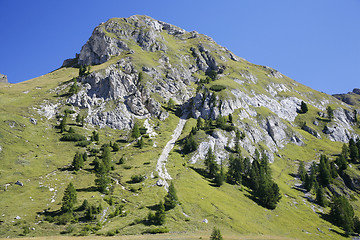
column 153, row 129
column 153, row 62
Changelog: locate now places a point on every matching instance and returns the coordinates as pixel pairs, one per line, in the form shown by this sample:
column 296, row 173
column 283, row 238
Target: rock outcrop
column 156, row 62
column 3, row 78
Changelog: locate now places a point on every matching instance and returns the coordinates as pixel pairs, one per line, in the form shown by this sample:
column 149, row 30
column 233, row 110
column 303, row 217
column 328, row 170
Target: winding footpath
column 161, row 163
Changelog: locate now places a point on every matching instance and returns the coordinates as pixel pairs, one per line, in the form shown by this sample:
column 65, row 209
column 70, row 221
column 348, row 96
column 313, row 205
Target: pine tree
column 135, row 132
column 320, row 197
column 302, row 171
column 160, row 214
column 230, row 118
column 171, row 198
column 324, row 171
column 216, row 235
column 210, row 163
column 330, row 112
column 78, row 162
column 353, row 151
column 345, row 151
column 69, row 199
column 304, row 108
column 342, row 213
column 235, row 170
column 102, row 181
column 199, row 123
column 341, row 162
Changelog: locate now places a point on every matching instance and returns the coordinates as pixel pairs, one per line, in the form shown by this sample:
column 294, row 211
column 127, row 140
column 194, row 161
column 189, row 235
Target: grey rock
column 19, row 183
column 356, row 91
column 33, row 121
column 316, row 123
column 311, row 131
column 17, row 217
column 3, row 78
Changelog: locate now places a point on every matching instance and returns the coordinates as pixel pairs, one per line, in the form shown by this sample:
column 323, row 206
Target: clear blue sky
column 315, row 42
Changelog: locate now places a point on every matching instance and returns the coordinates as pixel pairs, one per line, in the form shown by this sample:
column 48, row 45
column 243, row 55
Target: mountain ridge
column 145, row 74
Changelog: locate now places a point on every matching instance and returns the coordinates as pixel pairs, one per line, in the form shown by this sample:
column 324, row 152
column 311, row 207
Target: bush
column 157, row 230
column 137, row 178
column 217, row 88
column 73, row 137
column 83, row 143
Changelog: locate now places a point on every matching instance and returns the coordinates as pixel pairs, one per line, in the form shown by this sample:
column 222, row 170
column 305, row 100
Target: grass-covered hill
column 97, row 150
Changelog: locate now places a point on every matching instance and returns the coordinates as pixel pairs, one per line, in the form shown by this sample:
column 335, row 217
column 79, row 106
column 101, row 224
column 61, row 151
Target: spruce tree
column 171, row 198
column 324, row 171
column 345, row 151
column 341, row 162
column 160, row 214
column 320, row 197
column 210, row 163
column 304, row 108
column 216, row 235
column 235, row 169
column 69, row 199
column 102, row 181
column 78, row 161
column 342, row 213
column 302, row 171
column 199, row 123
column 353, row 151
column 135, row 132
column 330, row 112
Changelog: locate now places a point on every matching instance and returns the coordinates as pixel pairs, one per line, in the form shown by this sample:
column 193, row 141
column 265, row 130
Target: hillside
column 150, row 88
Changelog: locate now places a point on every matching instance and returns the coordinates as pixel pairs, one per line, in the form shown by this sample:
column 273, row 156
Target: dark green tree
column 63, row 123
column 171, row 198
column 341, row 162
column 330, row 112
column 135, row 132
column 140, row 143
column 304, row 107
column 324, row 171
column 69, row 199
column 74, row 89
column 235, row 170
column 353, row 151
column 345, row 151
column 302, row 171
column 102, row 182
column 78, row 161
column 230, row 118
column 342, row 213
column 95, row 136
column 115, row 147
column 190, row 144
column 216, row 235
column 210, row 163
column 199, row 123
column 159, row 217
column 320, row 197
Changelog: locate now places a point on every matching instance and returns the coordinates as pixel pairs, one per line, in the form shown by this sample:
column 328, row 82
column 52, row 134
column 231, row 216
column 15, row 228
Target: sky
column 315, row 42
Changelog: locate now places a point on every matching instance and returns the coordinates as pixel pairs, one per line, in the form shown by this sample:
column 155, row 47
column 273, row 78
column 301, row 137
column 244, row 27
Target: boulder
column 19, row 183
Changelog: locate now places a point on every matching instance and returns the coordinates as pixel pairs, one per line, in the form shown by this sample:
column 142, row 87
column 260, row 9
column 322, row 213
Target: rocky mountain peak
column 153, row 62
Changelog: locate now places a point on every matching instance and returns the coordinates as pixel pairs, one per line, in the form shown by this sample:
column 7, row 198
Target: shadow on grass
column 323, row 119
column 327, row 218
column 88, row 189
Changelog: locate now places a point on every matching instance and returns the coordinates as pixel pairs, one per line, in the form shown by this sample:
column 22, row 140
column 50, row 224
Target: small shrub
column 83, row 143
column 217, row 88
column 157, row 230
column 127, row 167
column 111, row 233
column 137, row 178
column 73, row 137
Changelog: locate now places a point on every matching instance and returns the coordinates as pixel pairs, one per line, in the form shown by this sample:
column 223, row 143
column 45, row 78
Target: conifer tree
column 216, row 235
column 135, row 132
column 171, row 198
column 304, row 107
column 353, row 151
column 324, row 170
column 235, row 170
column 210, row 163
column 78, row 161
column 69, row 199
column 320, row 197
column 330, row 112
column 302, row 171
column 342, row 213
column 199, row 123
column 345, row 151
column 341, row 162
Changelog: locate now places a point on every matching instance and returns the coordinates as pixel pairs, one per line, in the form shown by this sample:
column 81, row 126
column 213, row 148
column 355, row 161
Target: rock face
column 153, row 62
column 3, row 78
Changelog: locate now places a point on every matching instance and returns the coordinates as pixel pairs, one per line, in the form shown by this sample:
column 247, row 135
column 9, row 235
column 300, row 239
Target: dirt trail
column 161, row 163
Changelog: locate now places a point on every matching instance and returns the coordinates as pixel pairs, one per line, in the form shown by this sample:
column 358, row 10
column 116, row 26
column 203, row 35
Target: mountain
column 164, row 97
